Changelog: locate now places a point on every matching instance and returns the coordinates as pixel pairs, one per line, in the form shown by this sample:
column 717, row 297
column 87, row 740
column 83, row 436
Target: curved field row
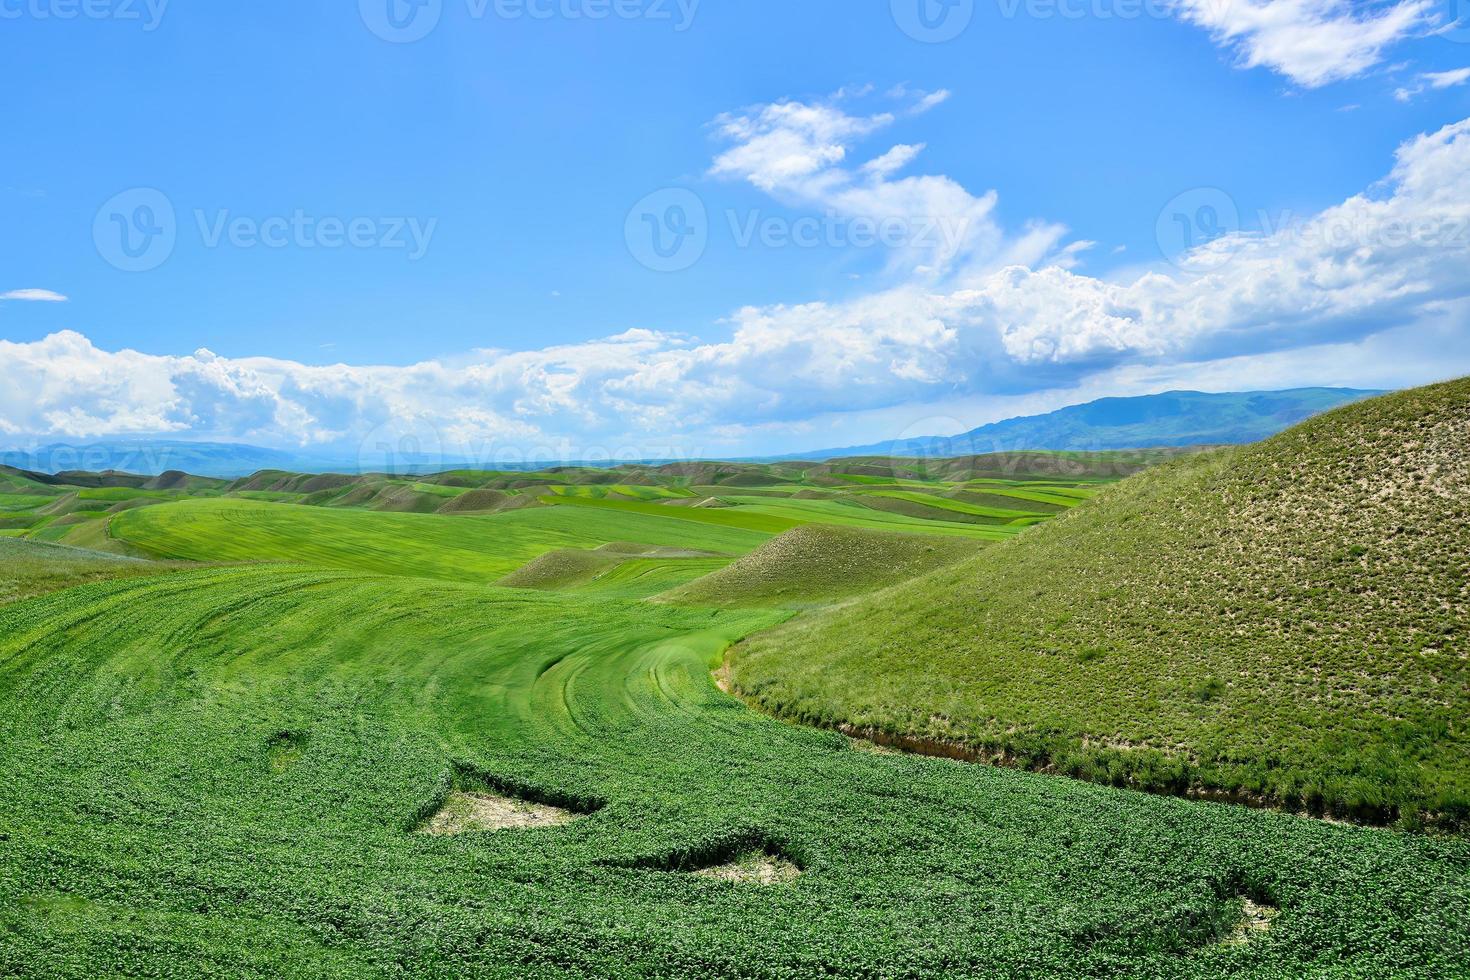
column 840, row 514
column 147, row 810
column 958, row 506
column 466, row 548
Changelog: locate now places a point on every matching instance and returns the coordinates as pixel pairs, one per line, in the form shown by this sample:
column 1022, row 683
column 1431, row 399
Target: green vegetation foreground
column 221, row 772
column 1286, row 623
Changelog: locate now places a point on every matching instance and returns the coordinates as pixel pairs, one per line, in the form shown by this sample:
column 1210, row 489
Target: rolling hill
column 1283, row 623
column 816, row 563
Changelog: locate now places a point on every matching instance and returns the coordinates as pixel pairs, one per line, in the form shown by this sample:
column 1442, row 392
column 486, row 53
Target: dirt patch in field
column 752, row 868
column 465, row 813
column 284, row 749
column 1255, row 921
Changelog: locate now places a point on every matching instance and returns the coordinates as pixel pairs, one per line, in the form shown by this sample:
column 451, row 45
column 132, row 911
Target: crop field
column 270, row 737
column 227, row 770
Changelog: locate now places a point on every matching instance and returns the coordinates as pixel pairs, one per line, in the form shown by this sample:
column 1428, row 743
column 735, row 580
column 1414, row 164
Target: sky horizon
column 695, row 228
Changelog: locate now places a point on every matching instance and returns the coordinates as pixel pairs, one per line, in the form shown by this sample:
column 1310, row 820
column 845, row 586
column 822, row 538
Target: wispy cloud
column 33, row 296
column 800, row 153
column 1433, row 80
column 1311, row 42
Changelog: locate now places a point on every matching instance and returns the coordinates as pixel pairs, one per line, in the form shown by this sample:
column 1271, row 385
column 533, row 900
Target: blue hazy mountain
column 1172, row 418
column 149, row 457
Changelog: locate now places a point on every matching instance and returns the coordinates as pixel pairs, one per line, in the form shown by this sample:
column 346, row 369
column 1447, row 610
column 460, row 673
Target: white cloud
column 1363, row 265
column 1311, row 42
column 33, row 296
column 893, row 161
column 1433, row 80
column 1447, row 79
column 798, row 152
column 1011, row 316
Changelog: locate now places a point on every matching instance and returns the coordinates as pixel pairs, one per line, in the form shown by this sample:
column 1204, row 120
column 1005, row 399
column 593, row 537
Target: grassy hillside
column 819, row 563
column 31, row 568
column 224, row 772
column 1284, row 622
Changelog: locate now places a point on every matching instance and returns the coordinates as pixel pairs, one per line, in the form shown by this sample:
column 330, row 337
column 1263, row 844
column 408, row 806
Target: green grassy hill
column 820, row 563
column 1283, row 623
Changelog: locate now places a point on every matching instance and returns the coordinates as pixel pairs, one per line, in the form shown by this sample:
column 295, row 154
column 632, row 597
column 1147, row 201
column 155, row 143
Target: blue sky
column 493, row 170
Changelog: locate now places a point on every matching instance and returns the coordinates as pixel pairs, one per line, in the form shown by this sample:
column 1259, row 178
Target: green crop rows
column 217, row 761
column 151, row 820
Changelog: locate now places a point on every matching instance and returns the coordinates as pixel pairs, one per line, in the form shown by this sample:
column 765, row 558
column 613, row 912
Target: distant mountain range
column 216, row 459
column 1173, row 418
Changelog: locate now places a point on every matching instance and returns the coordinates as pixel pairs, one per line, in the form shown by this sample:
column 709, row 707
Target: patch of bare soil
column 1255, row 922
column 753, row 868
column 871, row 748
column 464, row 813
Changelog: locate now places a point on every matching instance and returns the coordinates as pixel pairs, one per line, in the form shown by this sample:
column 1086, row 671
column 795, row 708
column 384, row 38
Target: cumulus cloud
column 1311, row 42
column 1011, row 316
column 33, row 296
column 802, row 154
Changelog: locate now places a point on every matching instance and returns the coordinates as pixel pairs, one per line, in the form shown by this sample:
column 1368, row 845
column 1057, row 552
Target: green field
column 239, row 758
column 222, row 771
column 1283, row 623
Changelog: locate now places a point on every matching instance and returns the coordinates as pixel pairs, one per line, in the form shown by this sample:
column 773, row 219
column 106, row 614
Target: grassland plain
column 1285, row 623
column 222, row 772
